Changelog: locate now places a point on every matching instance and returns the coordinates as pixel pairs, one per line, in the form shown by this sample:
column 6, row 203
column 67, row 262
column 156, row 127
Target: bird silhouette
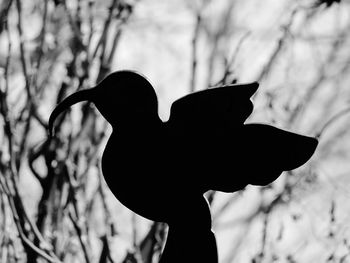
column 160, row 170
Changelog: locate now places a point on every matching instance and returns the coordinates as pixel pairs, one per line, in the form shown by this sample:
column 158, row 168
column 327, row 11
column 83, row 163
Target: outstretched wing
column 254, row 154
column 212, row 109
column 272, row 150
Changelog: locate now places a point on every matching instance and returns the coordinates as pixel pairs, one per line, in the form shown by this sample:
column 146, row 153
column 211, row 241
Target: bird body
column 160, row 170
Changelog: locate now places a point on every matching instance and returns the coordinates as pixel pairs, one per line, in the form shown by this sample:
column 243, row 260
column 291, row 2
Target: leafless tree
column 49, row 49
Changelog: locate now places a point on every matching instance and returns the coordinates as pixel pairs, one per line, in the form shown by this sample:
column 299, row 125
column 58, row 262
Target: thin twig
column 279, row 47
column 332, row 120
column 4, row 10
column 22, row 50
column 194, row 58
column 80, row 236
column 105, row 29
column 25, row 241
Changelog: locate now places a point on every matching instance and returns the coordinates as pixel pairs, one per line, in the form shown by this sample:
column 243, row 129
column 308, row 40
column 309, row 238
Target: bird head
column 123, row 97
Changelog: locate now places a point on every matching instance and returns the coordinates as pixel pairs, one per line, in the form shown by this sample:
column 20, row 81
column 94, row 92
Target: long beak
column 66, row 103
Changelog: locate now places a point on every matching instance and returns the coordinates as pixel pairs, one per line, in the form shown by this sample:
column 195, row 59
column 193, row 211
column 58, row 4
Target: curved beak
column 79, row 96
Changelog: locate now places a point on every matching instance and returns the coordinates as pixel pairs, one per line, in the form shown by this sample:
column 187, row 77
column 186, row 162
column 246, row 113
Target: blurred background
column 54, row 203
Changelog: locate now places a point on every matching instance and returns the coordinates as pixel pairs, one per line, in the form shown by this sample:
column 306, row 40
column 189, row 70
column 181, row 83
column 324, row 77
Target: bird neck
column 139, row 127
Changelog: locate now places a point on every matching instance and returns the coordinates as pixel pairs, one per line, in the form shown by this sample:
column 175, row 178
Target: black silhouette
column 161, row 170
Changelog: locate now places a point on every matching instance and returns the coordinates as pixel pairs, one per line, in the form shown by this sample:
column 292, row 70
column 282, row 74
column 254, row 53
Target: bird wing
column 216, row 108
column 268, row 151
